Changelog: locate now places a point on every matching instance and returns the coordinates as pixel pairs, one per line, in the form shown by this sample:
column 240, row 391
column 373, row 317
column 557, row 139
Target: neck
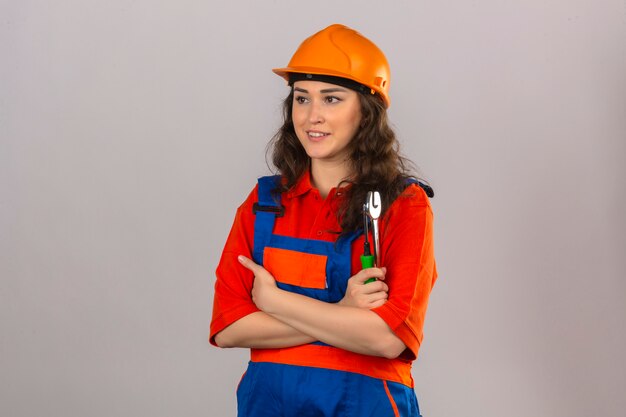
column 326, row 176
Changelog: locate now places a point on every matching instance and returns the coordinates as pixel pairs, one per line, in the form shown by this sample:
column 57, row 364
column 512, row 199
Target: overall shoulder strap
column 427, row 188
column 266, row 209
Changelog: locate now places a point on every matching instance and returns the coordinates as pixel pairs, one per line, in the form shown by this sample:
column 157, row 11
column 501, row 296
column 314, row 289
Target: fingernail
column 240, row 258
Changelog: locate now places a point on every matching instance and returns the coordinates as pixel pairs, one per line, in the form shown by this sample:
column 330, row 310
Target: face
column 325, row 117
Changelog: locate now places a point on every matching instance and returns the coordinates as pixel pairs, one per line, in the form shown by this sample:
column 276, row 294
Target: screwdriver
column 367, row 259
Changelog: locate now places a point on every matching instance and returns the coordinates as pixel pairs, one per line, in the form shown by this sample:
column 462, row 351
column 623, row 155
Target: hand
column 362, row 295
column 264, row 286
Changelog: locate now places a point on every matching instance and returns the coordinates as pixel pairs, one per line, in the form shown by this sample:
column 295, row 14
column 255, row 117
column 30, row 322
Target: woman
column 324, row 339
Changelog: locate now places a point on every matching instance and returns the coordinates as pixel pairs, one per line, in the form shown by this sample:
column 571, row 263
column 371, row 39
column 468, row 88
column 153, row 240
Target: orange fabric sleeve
column 407, row 251
column 232, row 299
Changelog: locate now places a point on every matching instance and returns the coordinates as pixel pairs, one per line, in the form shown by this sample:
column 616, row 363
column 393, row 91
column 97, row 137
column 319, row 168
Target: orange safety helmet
column 339, row 51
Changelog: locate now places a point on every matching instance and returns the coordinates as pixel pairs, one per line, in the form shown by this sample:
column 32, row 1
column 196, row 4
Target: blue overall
column 275, row 389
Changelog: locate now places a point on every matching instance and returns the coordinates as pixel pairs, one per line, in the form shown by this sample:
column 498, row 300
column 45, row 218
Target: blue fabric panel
column 266, row 186
column 264, row 221
column 263, row 226
column 270, row 390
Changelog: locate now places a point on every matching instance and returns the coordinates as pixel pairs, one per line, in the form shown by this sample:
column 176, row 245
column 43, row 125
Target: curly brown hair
column 374, row 154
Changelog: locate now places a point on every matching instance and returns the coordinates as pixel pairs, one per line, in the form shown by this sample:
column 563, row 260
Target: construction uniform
column 295, row 238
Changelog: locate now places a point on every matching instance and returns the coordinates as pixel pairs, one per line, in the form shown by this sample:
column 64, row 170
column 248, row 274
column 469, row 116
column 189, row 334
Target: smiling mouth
column 317, row 135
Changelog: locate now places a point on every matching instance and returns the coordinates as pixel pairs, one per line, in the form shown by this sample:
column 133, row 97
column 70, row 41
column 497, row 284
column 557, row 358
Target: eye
column 300, row 99
column 332, row 99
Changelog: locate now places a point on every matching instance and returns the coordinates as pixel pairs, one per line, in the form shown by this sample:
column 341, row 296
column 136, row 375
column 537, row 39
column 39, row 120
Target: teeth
column 317, row 135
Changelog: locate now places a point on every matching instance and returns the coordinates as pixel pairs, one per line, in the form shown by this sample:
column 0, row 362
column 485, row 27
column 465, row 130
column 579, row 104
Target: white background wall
column 131, row 130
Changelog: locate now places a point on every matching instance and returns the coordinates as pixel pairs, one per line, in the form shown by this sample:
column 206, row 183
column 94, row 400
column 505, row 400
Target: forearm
column 350, row 328
column 260, row 330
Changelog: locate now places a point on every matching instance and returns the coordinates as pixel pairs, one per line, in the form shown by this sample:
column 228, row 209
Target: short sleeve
column 232, row 299
column 407, row 251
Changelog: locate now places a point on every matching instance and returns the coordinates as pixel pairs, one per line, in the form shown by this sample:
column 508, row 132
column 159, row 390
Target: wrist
column 271, row 300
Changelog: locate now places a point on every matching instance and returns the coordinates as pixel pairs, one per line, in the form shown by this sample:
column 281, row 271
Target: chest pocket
column 299, row 269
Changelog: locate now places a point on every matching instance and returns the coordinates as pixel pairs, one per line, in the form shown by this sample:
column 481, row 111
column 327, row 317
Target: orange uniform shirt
column 406, row 245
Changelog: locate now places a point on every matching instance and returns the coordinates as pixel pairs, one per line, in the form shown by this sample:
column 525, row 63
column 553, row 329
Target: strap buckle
column 279, row 211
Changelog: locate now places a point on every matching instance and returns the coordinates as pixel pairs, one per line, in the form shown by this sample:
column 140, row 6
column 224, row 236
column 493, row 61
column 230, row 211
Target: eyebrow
column 325, row 91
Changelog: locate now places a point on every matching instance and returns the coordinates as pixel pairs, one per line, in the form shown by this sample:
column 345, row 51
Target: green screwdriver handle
column 367, row 261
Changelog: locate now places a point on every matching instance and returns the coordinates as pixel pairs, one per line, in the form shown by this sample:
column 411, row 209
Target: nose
column 315, row 113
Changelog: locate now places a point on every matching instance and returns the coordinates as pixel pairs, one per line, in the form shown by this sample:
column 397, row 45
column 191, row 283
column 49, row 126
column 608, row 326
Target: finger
column 381, row 295
column 248, row 263
column 363, row 275
column 381, row 274
column 376, row 300
column 373, row 287
column 368, row 273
